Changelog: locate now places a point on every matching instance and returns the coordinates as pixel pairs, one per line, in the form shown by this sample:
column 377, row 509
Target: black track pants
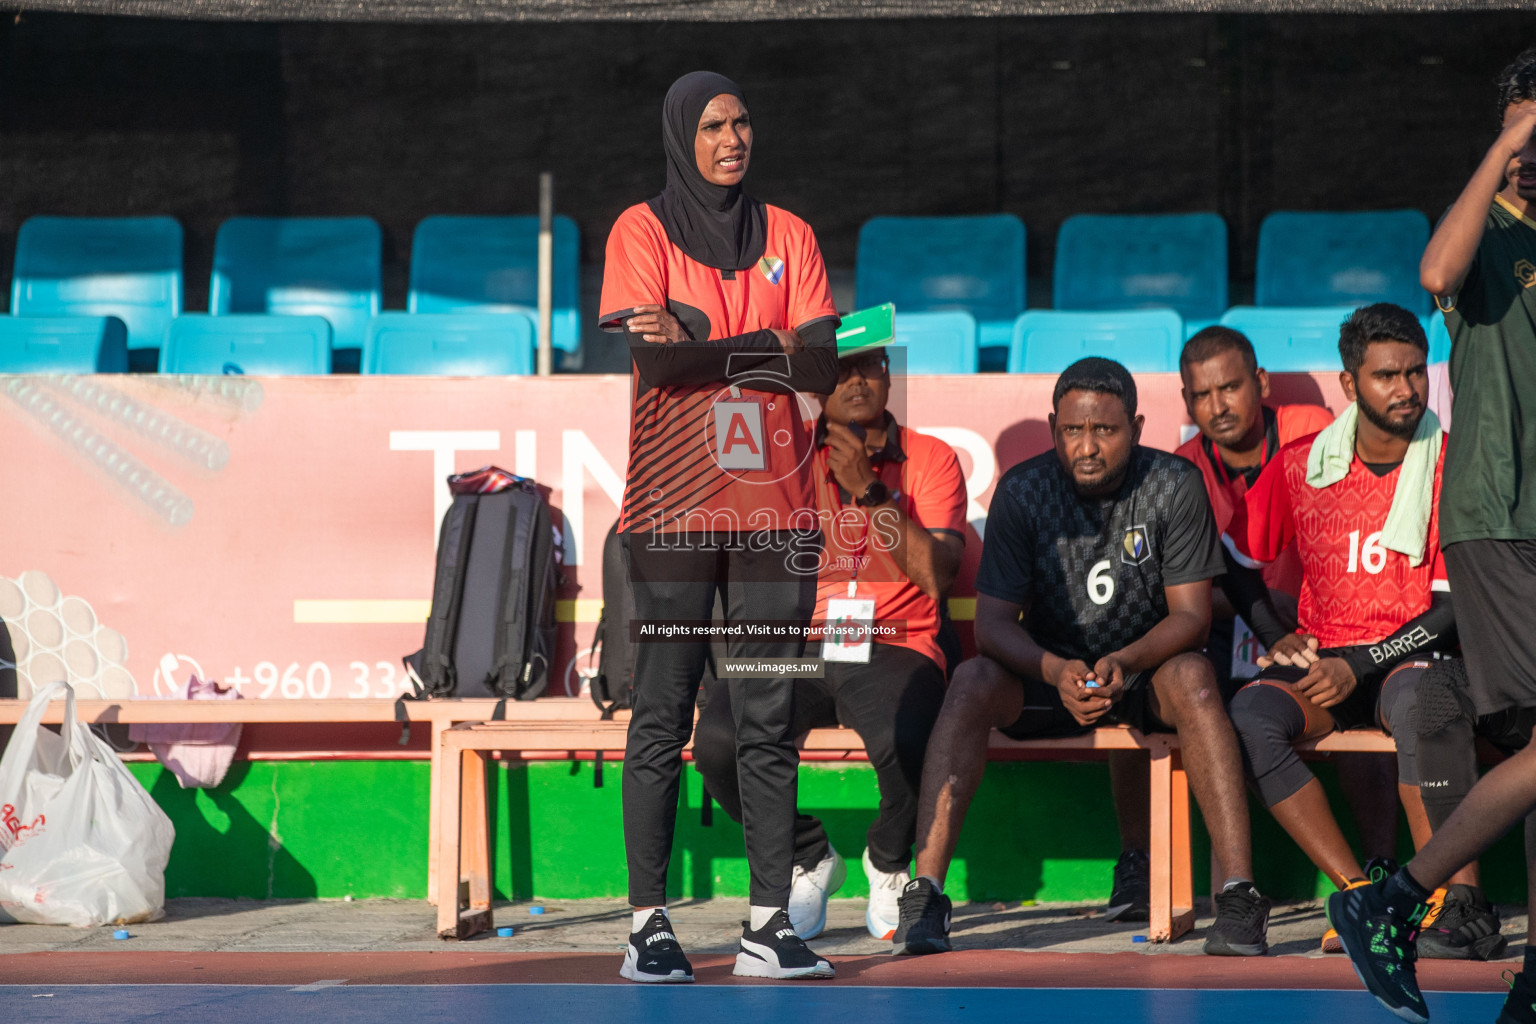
column 755, row 580
column 891, row 701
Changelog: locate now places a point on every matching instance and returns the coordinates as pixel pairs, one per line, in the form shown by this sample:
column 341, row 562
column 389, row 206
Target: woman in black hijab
column 725, row 304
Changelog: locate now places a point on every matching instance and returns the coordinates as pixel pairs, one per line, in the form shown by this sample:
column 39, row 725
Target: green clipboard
column 866, row 329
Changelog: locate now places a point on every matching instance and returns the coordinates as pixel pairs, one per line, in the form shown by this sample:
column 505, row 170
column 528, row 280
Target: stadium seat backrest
column 1439, row 337
column 934, row 264
column 936, row 342
column 66, row 344
column 449, row 344
column 1342, row 259
column 1291, row 340
column 491, row 265
column 127, row 267
column 252, row 344
column 1176, row 261
column 301, row 266
column 1049, row 340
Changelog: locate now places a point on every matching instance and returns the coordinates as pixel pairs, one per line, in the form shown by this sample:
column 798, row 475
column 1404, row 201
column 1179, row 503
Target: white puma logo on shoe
column 659, row 936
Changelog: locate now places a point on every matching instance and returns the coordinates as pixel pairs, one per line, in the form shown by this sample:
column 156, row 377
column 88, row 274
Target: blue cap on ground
column 1138, row 938
column 504, row 932
column 121, row 933
column 535, row 910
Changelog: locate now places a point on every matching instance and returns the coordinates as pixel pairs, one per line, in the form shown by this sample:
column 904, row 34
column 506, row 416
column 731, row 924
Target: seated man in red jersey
column 892, row 505
column 1239, row 434
column 1359, row 500
column 1224, row 392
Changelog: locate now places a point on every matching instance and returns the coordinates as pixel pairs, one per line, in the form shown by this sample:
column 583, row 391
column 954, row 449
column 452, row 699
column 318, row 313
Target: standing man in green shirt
column 1481, row 267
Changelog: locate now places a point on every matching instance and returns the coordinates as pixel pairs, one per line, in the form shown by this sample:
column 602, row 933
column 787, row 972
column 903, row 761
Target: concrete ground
column 704, row 926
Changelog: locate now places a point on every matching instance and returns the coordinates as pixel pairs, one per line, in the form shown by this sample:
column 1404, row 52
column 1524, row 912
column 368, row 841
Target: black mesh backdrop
column 1043, row 117
column 723, row 10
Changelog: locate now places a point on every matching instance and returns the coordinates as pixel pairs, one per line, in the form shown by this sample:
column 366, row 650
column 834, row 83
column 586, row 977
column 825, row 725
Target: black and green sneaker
column 1520, row 1004
column 1380, row 944
column 1379, row 869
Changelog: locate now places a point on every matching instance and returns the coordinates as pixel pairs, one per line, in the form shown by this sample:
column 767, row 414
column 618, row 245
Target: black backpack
column 614, row 685
column 492, row 628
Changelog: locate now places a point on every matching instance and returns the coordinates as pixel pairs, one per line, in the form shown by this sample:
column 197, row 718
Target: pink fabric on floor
column 198, row 753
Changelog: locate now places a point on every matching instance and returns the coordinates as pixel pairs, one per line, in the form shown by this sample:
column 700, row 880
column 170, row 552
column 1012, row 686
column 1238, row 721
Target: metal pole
column 546, row 272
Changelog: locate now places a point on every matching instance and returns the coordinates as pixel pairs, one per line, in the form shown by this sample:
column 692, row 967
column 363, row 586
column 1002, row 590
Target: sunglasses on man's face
column 870, row 365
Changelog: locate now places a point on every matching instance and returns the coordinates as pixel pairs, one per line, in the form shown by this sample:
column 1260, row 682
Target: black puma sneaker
column 654, row 954
column 775, row 951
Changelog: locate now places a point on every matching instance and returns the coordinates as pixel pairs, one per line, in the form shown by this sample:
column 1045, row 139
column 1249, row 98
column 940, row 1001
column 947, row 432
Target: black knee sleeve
column 1399, row 698
column 1268, row 720
column 1447, row 753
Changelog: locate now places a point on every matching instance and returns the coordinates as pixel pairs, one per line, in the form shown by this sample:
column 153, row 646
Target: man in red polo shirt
column 892, row 505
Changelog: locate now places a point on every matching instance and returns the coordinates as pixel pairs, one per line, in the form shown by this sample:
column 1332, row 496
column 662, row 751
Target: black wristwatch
column 875, row 494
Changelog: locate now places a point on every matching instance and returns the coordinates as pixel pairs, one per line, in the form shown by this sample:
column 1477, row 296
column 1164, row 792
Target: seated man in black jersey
column 1093, row 602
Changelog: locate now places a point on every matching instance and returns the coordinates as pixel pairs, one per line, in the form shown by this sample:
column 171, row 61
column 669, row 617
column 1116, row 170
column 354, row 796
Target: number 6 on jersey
column 1101, row 582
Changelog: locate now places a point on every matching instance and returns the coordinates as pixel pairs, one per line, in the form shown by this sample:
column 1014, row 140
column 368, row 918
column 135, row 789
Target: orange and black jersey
column 720, row 434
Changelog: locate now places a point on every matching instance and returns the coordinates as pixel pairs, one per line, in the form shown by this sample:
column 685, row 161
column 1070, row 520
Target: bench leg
column 1172, row 909
column 449, row 806
column 434, row 808
column 474, row 853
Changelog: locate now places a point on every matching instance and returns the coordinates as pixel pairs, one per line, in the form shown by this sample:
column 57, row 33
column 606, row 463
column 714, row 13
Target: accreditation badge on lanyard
column 850, row 622
column 739, row 440
column 851, row 619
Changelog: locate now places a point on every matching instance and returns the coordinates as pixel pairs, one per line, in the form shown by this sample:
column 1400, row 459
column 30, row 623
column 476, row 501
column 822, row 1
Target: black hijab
column 716, row 225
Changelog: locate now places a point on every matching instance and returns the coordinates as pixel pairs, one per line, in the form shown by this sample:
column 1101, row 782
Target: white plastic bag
column 81, row 842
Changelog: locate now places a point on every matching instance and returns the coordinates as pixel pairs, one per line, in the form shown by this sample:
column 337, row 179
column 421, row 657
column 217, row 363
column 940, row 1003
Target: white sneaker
column 884, row 913
column 809, row 890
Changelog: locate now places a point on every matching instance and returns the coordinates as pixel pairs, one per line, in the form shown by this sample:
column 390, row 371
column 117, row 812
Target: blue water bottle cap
column 121, row 933
column 1138, row 938
column 535, row 910
column 504, row 932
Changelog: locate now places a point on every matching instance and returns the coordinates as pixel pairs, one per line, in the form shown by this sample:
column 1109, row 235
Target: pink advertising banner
column 279, row 533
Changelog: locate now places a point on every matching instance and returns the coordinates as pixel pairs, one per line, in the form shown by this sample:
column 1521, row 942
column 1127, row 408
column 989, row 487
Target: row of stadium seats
column 1119, row 262
column 485, row 344
column 331, row 267
column 453, row 344
column 958, row 282
column 1146, row 341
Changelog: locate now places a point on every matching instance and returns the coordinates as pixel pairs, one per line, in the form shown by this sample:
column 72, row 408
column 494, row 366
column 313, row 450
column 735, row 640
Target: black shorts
column 1494, row 588
column 1357, row 711
column 1046, row 717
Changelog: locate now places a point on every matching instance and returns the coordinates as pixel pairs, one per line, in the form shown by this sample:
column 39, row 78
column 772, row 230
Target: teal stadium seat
column 301, row 266
column 127, row 267
column 1114, row 261
column 1050, row 340
column 63, row 344
column 1291, row 340
column 251, row 344
column 1439, row 337
column 937, row 342
column 938, row 264
column 1342, row 259
column 491, row 265
column 449, row 344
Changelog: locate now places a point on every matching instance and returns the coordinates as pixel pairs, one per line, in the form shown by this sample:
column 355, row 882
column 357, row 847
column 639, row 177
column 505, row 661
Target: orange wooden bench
column 464, row 846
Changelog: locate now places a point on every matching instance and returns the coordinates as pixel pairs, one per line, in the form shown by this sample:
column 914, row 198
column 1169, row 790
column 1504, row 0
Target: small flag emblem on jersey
column 772, row 268
column 1136, row 545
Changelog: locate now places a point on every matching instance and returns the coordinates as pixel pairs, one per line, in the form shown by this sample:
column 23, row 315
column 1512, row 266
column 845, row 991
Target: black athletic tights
column 755, row 575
